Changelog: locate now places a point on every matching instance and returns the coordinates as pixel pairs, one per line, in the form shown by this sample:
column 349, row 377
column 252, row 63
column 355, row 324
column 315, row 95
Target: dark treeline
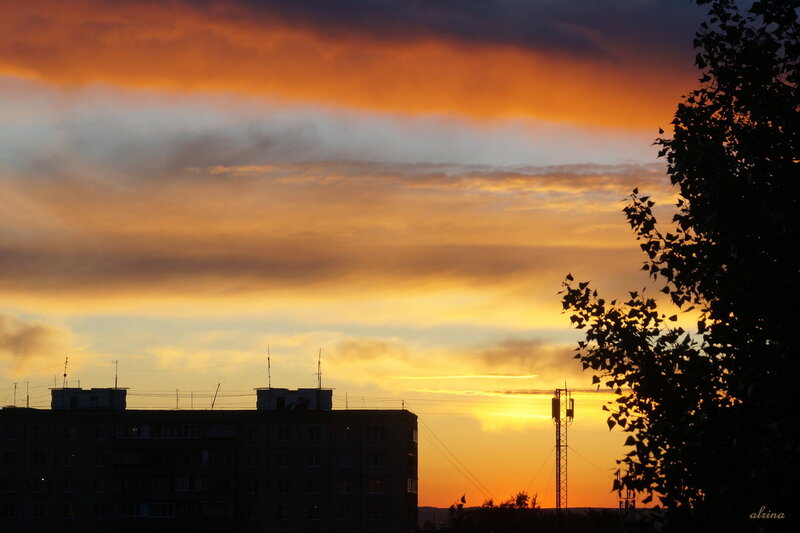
column 522, row 514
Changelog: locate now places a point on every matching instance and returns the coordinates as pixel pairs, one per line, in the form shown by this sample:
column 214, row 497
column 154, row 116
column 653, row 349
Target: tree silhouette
column 710, row 411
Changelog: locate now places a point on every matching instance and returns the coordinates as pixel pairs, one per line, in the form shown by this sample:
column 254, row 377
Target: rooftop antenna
column 215, row 396
column 319, row 369
column 269, row 369
column 116, row 372
column 15, row 394
column 27, row 394
column 64, row 384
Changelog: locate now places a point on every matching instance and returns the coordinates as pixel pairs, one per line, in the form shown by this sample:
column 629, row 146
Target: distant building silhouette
column 292, row 465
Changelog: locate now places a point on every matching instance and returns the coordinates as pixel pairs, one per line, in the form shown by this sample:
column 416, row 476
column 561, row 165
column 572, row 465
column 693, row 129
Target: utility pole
column 563, row 411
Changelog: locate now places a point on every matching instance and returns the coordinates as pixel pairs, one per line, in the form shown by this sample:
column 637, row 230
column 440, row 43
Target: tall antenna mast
column 269, row 369
column 319, row 369
column 116, row 372
column 563, row 410
column 64, row 384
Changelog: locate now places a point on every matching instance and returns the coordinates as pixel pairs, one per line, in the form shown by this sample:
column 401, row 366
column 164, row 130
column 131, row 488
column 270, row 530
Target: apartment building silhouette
column 293, row 464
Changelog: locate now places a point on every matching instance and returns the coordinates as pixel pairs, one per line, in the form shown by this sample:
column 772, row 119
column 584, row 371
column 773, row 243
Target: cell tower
column 563, row 410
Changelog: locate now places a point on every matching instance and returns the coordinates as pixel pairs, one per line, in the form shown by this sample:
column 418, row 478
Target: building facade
column 99, row 467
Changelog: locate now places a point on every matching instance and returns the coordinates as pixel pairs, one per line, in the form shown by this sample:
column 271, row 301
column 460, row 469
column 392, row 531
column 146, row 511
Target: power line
column 459, row 470
column 456, row 458
column 539, row 471
column 591, row 463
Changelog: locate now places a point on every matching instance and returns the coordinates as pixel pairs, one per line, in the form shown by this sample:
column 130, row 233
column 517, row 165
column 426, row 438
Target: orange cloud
column 203, row 235
column 178, row 47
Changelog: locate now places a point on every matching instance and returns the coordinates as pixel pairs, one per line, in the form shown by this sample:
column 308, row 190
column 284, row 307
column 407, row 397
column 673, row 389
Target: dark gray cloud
column 365, row 349
column 172, row 267
column 662, row 28
column 533, row 356
column 22, row 340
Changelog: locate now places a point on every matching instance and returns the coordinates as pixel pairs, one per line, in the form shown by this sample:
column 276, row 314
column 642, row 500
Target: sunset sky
column 401, row 184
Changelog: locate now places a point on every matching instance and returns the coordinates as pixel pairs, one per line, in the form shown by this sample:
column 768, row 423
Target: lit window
column 375, row 486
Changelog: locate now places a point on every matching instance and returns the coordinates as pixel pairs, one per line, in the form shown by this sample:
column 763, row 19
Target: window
column 38, row 511
column 313, row 460
column 345, row 487
column 187, row 484
column 314, row 433
column 345, row 461
column 412, row 460
column 70, row 511
column 283, row 433
column 187, row 510
column 161, row 510
column 313, row 486
column 69, row 485
column 99, row 486
column 70, row 458
column 131, row 431
column 40, row 484
column 39, row 432
column 374, row 512
column 345, row 512
column 376, row 434
column 412, row 486
column 283, row 485
column 253, row 432
column 189, row 431
column 347, row 434
column 9, row 458
column 71, row 433
column 251, row 457
column 281, row 513
column 282, row 460
column 219, row 484
column 162, row 431
column 7, row 432
column 101, row 511
column 6, row 510
column 7, row 484
column 375, row 460
column 39, row 458
column 127, row 509
column 101, row 459
column 251, row 486
column 375, row 486
column 313, row 512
